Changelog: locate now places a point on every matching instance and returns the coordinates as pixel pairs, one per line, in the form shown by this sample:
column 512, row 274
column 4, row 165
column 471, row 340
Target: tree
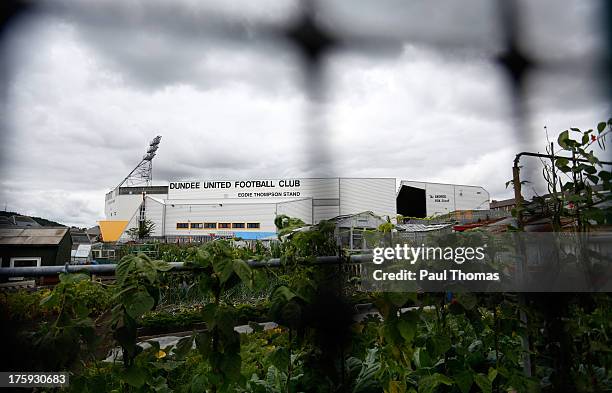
column 145, row 229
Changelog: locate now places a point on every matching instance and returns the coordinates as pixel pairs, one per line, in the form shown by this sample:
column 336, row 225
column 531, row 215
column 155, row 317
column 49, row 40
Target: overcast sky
column 89, row 87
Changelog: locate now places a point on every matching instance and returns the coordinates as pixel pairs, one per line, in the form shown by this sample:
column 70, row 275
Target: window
column 182, row 225
column 253, row 225
column 25, row 261
column 225, row 225
column 237, row 225
column 210, row 225
column 197, row 225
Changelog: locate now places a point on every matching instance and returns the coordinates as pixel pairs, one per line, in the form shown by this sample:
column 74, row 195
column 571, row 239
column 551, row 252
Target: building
column 43, row 246
column 505, row 205
column 242, row 208
column 421, row 199
column 351, row 229
column 200, row 209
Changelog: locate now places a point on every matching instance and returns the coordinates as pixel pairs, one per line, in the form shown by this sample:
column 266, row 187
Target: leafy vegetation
column 405, row 343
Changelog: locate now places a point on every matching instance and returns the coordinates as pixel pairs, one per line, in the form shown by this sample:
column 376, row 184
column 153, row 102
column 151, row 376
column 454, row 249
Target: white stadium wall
column 375, row 195
column 262, row 213
column 301, row 209
column 445, row 198
column 122, row 207
column 252, row 205
column 154, row 211
column 255, row 190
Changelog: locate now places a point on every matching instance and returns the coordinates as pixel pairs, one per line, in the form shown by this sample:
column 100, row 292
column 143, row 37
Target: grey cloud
column 91, row 90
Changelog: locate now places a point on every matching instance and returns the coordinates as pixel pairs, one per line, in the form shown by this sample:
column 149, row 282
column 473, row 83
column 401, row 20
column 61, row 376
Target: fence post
column 518, row 199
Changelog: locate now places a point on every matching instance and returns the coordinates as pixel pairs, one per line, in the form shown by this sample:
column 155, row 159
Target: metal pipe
column 529, row 154
column 109, row 269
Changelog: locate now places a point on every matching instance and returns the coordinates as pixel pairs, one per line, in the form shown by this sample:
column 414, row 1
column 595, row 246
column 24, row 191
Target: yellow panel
column 112, row 230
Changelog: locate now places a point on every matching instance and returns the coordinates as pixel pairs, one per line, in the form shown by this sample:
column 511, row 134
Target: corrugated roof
column 32, row 236
column 343, row 216
column 422, row 227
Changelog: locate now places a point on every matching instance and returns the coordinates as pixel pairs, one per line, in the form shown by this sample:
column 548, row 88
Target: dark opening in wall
column 411, row 202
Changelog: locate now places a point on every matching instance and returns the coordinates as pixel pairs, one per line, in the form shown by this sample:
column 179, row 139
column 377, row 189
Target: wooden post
column 518, row 199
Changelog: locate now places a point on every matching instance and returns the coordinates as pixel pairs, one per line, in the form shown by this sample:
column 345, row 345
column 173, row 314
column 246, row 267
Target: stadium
column 247, row 208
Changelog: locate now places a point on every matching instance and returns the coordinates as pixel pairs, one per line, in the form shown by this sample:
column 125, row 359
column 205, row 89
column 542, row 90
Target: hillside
column 42, row 221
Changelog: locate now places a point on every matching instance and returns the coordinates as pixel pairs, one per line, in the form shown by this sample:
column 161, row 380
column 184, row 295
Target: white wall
column 308, row 188
column 375, row 195
column 325, row 212
column 445, row 198
column 262, row 213
column 122, row 207
column 471, row 198
column 154, row 211
column 301, row 209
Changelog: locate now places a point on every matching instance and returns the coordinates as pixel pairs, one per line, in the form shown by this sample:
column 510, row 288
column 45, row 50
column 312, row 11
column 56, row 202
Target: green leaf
column 202, row 258
column 243, row 270
column 595, row 214
column 593, row 179
column 224, row 268
column 283, row 294
column 464, row 380
column 291, row 314
column 183, row 347
column 230, row 366
column 159, row 384
column 224, row 320
column 601, row 127
column 139, row 303
column 563, row 138
column 421, row 358
column 429, row 383
column 366, row 380
column 492, row 374
column 397, row 387
column 162, row 266
column 203, row 342
column 407, row 325
column 441, row 343
column 50, row 301
column 561, row 162
column 483, row 382
column 134, row 376
column 280, row 358
column 585, row 138
column 605, row 175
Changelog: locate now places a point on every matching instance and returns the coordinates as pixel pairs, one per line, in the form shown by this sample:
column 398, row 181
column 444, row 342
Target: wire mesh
column 317, row 31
